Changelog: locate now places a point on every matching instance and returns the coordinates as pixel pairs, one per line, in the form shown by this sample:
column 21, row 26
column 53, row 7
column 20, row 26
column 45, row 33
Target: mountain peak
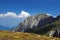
column 40, row 24
column 35, row 22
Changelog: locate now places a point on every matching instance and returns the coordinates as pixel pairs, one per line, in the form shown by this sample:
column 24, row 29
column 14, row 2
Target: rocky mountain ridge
column 39, row 24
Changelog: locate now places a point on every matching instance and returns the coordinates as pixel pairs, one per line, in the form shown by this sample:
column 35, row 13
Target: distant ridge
column 4, row 28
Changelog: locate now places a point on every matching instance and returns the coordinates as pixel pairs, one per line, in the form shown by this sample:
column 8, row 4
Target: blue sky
column 31, row 6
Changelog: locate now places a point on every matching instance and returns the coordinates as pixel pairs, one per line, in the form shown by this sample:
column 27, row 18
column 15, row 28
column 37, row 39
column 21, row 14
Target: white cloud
column 51, row 15
column 12, row 14
column 48, row 14
column 24, row 14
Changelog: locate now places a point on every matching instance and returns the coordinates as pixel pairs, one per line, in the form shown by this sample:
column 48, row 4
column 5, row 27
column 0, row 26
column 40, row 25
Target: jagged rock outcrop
column 35, row 21
column 55, row 33
column 40, row 24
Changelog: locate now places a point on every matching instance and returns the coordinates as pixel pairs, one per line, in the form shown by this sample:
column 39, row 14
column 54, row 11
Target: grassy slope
column 57, row 24
column 6, row 35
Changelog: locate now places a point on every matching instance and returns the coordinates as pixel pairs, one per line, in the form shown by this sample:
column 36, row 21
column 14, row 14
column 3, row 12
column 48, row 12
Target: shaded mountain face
column 55, row 31
column 40, row 24
column 35, row 21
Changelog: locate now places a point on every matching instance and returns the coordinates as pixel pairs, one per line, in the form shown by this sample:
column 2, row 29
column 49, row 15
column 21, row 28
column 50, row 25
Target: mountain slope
column 7, row 35
column 35, row 22
column 41, row 24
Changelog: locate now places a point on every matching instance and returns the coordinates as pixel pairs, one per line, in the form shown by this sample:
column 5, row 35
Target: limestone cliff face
column 41, row 24
column 35, row 21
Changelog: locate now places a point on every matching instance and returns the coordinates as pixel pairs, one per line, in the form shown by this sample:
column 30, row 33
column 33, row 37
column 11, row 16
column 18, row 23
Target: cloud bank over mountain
column 48, row 14
column 12, row 19
column 12, row 14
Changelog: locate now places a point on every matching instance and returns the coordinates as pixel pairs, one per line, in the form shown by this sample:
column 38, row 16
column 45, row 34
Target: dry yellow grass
column 7, row 35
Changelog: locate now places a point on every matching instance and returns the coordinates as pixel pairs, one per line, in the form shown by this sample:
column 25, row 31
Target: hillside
column 7, row 35
column 35, row 21
column 41, row 24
